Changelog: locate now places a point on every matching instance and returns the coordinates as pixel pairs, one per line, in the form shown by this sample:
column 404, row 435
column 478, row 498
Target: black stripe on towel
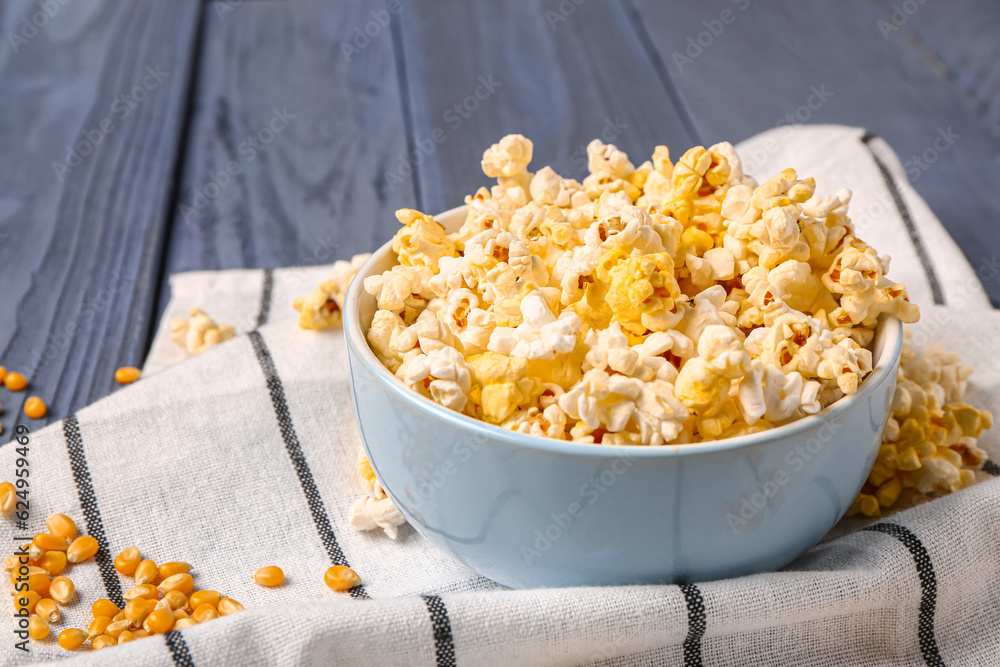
column 911, row 227
column 265, row 298
column 696, row 625
column 178, row 649
column 88, row 502
column 444, row 644
column 928, row 588
column 291, row 438
column 991, row 468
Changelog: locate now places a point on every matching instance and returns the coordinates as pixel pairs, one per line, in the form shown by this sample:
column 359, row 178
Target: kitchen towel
column 244, row 456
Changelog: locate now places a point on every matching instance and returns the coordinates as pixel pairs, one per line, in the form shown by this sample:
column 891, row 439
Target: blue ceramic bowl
column 528, row 511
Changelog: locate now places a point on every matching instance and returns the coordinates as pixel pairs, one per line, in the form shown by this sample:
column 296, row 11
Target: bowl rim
column 889, row 328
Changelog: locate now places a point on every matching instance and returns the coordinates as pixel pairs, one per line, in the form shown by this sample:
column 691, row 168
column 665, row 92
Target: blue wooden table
column 143, row 138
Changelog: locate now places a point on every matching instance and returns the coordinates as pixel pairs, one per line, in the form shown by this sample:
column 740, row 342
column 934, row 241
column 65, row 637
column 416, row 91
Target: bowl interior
column 360, row 310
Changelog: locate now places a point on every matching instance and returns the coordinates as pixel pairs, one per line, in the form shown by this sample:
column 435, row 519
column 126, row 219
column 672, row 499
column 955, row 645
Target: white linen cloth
column 244, row 456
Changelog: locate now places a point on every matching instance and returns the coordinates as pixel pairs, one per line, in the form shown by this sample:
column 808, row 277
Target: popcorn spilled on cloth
column 668, row 303
column 200, row 332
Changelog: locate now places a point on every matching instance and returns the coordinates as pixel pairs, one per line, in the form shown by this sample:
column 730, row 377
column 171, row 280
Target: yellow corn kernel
column 205, row 612
column 136, row 610
column 8, row 499
column 71, row 638
column 98, row 626
column 37, row 627
column 182, row 582
column 48, row 542
column 14, row 381
column 128, row 560
column 36, row 553
column 182, row 623
column 35, row 408
column 147, row 591
column 62, row 590
column 159, row 621
column 24, row 571
column 61, row 525
column 126, row 637
column 103, row 641
column 269, row 576
column 199, row 598
column 140, row 633
column 170, row 569
column 229, row 606
column 39, row 583
column 117, row 627
column 104, row 607
column 175, row 599
column 26, row 601
column 11, row 562
column 48, row 610
column 53, row 562
column 146, row 572
column 127, row 374
column 341, row 578
column 120, row 616
column 180, row 613
column 82, row 548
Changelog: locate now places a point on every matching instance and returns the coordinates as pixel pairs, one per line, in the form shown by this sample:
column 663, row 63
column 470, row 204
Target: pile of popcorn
column 659, row 304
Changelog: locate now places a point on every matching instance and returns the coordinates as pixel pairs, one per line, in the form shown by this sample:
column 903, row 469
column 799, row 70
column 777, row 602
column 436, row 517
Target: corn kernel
column 82, row 549
column 10, row 563
column 35, row 408
column 25, row 571
column 127, row 374
column 15, row 381
column 35, row 552
column 178, row 582
column 136, row 610
column 72, row 638
column 8, row 499
column 48, row 542
column 39, row 583
column 229, row 606
column 98, row 626
column 104, row 607
column 180, row 613
column 205, row 612
column 53, row 562
column 147, row 591
column 120, row 616
column 159, row 622
column 104, row 641
column 128, row 560
column 48, row 610
column 182, row 623
column 140, row 633
column 146, row 572
column 61, row 525
column 126, row 637
column 37, row 627
column 26, row 601
column 62, row 590
column 175, row 599
column 341, row 578
column 199, row 598
column 269, row 576
column 170, row 569
column 117, row 627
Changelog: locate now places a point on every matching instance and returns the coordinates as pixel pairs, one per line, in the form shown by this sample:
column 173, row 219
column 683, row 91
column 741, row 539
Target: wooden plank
column 559, row 73
column 306, row 122
column 80, row 244
column 765, row 61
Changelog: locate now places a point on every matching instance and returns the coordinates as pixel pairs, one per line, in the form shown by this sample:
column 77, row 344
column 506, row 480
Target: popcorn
column 929, row 447
column 376, row 509
column 661, row 304
column 322, row 308
column 199, row 333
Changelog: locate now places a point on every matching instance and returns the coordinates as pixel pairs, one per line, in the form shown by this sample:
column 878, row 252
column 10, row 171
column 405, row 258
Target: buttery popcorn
column 198, row 332
column 323, row 307
column 929, row 448
column 664, row 303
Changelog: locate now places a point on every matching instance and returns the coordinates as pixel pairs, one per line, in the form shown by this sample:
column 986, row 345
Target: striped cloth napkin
column 244, row 456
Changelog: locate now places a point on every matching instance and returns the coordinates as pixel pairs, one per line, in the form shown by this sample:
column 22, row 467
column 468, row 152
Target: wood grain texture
column 80, row 251
column 766, row 62
column 306, row 132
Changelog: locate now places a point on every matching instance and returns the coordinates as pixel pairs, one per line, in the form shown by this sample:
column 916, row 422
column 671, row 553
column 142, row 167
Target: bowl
column 527, row 511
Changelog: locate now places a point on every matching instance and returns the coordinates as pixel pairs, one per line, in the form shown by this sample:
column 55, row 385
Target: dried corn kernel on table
column 222, row 138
